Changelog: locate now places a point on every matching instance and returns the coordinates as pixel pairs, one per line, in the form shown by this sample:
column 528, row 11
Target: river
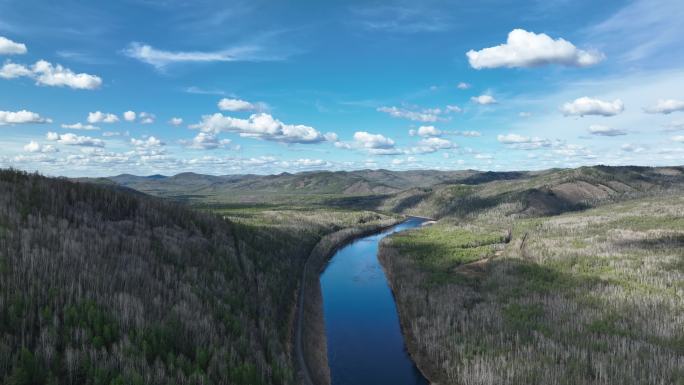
column 365, row 343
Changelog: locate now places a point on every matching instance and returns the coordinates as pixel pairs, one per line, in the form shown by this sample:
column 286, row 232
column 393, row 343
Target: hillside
column 304, row 188
column 105, row 286
column 565, row 277
column 421, row 192
column 547, row 192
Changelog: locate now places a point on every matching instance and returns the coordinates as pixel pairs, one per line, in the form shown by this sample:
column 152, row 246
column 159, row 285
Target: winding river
column 365, row 343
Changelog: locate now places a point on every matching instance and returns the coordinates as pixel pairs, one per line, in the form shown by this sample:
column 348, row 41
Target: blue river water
column 365, row 343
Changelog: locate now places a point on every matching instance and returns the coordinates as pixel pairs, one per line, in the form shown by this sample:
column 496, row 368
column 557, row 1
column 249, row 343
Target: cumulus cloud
column 129, row 116
column 463, row 86
column 260, row 126
column 589, row 106
column 57, row 76
column 47, row 74
column 36, row 147
column 666, row 106
column 80, row 126
column 9, row 47
column 373, row 141
column 147, row 118
column 21, row 117
column 206, row 141
column 70, row 139
column 428, row 131
column 12, row 70
column 149, row 142
column 101, row 117
column 433, row 144
column 176, row 121
column 523, row 142
column 483, row 99
column 600, row 130
column 528, row 49
column 227, row 104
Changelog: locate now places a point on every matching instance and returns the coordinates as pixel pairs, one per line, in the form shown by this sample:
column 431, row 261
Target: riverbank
column 310, row 347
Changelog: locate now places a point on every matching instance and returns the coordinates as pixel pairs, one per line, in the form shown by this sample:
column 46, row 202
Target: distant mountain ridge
column 428, row 192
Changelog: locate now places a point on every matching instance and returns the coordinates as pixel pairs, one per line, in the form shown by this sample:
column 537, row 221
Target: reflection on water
column 365, row 344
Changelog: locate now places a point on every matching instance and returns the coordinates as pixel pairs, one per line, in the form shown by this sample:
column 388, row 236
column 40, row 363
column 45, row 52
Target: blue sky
column 163, row 86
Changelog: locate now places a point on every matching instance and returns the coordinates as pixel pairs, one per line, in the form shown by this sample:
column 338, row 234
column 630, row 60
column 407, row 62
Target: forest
column 558, row 289
column 102, row 285
column 562, row 276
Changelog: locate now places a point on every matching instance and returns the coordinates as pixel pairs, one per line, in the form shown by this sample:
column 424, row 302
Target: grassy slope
column 102, row 286
column 591, row 297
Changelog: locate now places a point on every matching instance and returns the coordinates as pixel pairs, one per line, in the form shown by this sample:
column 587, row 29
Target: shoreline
column 310, row 340
column 409, row 339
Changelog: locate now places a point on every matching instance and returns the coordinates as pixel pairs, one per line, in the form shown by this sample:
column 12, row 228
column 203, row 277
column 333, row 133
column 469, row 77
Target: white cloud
column 525, row 114
column 227, row 104
column 343, row 145
column 9, row 47
column 666, row 106
column 483, row 99
column 588, row 106
column 463, row 86
column 528, row 49
column 512, row 138
column 55, row 75
column 146, row 118
column 433, row 144
column 260, row 126
column 176, row 121
column 373, row 141
column 523, row 142
column 470, row 134
column 425, row 115
column 36, row 147
column 206, row 141
column 21, row 117
column 47, row 74
column 453, row 108
column 678, row 138
column 305, row 163
column 129, row 116
column 70, row 139
column 80, row 126
column 331, row 137
column 573, row 151
column 600, row 130
column 149, row 142
column 428, row 131
column 160, row 58
column 101, row 117
column 12, row 70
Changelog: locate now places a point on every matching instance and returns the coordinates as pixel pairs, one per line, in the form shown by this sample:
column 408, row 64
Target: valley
column 568, row 276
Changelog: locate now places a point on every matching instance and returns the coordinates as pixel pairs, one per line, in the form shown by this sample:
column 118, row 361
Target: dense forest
column 104, row 285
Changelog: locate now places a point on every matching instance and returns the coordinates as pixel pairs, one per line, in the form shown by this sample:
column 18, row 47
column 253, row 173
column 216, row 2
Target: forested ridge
column 103, row 286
